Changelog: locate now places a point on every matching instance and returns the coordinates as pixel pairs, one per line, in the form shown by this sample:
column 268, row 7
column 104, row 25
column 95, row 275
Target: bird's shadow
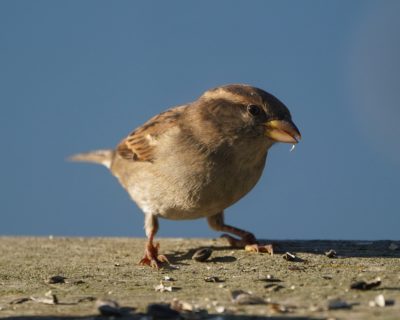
column 342, row 248
column 179, row 257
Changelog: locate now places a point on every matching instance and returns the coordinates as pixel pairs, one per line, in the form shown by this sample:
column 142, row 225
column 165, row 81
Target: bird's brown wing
column 139, row 145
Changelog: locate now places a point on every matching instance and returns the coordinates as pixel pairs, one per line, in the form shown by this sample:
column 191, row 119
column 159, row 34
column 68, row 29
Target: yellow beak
column 282, row 131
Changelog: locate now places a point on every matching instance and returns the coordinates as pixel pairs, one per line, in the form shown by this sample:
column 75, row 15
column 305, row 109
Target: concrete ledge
column 107, row 268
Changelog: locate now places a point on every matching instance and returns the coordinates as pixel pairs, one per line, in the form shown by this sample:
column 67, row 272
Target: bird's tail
column 103, row 157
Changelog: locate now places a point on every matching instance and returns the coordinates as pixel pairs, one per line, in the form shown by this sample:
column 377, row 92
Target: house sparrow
column 195, row 160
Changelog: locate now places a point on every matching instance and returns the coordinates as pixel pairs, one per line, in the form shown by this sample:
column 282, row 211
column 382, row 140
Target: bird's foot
column 267, row 248
column 249, row 243
column 152, row 258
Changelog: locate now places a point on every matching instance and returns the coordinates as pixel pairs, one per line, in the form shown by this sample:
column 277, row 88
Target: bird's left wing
column 139, row 145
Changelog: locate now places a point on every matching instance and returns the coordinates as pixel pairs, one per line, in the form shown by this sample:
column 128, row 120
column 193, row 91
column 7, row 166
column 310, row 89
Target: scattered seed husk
column 162, row 311
column 213, row 279
column 243, row 297
column 363, row 285
column 331, row 254
column 288, row 256
column 45, row 300
column 336, row 304
column 168, row 278
column 292, row 148
column 273, row 287
column 109, row 308
column 202, row 255
column 162, row 288
column 49, row 298
column 56, row 279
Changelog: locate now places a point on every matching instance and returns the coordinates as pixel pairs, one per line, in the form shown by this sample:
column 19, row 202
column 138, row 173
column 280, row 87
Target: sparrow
column 197, row 159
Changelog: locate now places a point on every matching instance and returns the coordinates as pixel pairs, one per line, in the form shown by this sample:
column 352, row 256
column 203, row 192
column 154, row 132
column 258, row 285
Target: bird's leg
column 151, row 256
column 247, row 239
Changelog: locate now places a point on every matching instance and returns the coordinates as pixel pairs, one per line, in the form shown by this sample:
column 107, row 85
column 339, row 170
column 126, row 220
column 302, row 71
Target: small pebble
column 202, row 255
column 220, row 309
column 381, row 302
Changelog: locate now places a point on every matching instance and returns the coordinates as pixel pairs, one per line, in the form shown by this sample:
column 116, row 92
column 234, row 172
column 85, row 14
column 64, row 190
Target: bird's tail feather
column 103, row 157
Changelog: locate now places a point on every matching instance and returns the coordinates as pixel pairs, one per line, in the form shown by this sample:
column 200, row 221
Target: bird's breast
column 190, row 183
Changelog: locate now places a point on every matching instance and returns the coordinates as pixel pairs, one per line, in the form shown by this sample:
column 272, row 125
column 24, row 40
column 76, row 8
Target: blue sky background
column 80, row 75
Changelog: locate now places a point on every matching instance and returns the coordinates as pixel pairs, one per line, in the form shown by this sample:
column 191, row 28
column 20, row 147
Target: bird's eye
column 254, row 110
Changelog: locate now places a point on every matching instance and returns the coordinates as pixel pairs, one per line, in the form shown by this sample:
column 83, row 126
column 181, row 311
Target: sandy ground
column 106, row 268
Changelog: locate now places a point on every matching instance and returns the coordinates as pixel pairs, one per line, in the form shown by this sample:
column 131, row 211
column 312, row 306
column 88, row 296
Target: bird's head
column 250, row 111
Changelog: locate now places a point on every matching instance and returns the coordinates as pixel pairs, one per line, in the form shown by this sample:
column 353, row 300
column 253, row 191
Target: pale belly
column 188, row 191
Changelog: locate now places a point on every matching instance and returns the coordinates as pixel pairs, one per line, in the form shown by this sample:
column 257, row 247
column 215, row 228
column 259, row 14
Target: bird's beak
column 282, row 131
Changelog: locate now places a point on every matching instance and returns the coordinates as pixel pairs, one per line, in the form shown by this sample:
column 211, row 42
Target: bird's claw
column 154, row 262
column 249, row 243
column 267, row 248
column 152, row 258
